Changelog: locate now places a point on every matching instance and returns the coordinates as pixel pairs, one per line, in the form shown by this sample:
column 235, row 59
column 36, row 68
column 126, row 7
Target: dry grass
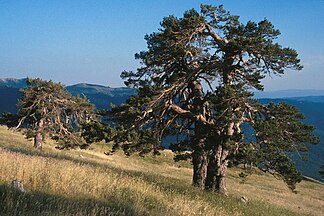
column 88, row 182
column 309, row 198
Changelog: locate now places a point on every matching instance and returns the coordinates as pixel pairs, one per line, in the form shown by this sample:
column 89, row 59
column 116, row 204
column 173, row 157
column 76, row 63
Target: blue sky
column 73, row 41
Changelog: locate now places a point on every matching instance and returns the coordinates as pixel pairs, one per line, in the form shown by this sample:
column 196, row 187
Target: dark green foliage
column 279, row 132
column 95, row 131
column 9, row 119
column 122, row 119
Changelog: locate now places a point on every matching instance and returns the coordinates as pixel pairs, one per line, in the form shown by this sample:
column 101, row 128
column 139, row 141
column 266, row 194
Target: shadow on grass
column 14, row 202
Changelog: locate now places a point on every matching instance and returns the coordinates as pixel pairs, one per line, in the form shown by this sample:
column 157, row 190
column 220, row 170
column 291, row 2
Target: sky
column 76, row 41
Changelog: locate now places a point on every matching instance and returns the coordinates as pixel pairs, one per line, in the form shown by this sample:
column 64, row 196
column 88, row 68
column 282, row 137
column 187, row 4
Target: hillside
column 88, row 182
column 102, row 96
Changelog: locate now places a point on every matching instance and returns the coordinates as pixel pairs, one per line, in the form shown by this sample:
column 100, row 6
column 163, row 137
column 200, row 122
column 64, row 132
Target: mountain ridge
column 100, row 95
column 289, row 93
column 97, row 88
column 13, row 82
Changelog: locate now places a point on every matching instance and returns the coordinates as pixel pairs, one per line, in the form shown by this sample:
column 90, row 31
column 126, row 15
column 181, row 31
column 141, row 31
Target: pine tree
column 46, row 109
column 212, row 49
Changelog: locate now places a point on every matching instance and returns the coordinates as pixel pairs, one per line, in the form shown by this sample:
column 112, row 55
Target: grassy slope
column 88, row 182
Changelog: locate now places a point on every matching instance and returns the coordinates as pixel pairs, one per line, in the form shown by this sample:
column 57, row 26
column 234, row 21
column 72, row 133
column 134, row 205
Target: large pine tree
column 221, row 123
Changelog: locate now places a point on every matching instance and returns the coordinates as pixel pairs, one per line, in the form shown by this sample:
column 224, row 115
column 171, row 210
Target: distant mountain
column 13, row 83
column 315, row 99
column 95, row 89
column 101, row 96
column 289, row 93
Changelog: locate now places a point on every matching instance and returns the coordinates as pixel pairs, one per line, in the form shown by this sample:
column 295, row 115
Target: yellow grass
column 88, row 182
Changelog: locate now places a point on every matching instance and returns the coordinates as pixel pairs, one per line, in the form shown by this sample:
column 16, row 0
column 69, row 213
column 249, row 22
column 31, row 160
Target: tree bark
column 38, row 140
column 221, row 168
column 200, row 164
column 216, row 172
column 211, row 180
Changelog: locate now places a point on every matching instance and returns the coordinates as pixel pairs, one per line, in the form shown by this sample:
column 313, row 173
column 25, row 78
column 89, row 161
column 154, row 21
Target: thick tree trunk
column 216, row 172
column 221, row 162
column 38, row 140
column 211, row 180
column 200, row 163
column 221, row 168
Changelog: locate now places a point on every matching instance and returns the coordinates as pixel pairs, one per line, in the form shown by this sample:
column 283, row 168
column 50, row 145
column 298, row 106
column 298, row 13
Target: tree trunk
column 200, row 163
column 216, row 171
column 38, row 140
column 221, row 168
column 199, row 152
column 216, row 174
column 211, row 180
